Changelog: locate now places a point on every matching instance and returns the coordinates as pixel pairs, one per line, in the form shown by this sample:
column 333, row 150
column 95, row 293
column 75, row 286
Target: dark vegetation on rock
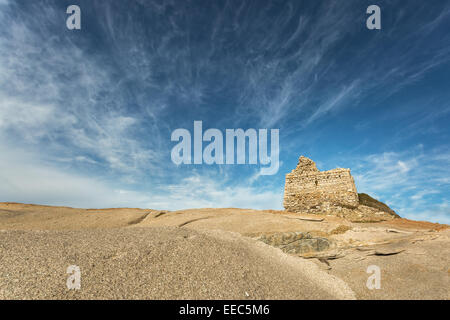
column 366, row 200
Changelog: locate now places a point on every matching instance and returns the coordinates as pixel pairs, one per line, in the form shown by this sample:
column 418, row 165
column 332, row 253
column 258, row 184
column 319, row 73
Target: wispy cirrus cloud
column 97, row 106
column 28, row 179
column 53, row 93
column 414, row 182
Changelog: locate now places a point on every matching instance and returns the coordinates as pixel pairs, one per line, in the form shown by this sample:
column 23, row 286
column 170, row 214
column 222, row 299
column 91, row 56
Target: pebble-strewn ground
column 213, row 254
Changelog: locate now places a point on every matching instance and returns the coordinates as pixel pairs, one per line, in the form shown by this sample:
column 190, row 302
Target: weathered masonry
column 308, row 190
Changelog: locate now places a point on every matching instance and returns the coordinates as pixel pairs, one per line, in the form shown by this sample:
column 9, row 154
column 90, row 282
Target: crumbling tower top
column 306, row 165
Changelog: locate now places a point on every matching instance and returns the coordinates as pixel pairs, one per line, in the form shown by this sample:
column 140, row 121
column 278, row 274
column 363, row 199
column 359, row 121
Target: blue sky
column 86, row 115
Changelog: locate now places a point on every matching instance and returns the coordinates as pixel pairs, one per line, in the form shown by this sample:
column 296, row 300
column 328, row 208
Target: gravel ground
column 130, row 253
column 156, row 263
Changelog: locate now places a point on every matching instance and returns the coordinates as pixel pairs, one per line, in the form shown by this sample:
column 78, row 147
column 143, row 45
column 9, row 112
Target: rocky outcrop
column 296, row 242
column 368, row 201
column 308, row 190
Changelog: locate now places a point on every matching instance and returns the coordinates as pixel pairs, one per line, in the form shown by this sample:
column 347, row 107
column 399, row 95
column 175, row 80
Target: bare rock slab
column 296, row 242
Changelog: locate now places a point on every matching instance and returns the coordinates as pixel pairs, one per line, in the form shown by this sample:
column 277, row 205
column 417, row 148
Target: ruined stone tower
column 309, row 190
column 332, row 192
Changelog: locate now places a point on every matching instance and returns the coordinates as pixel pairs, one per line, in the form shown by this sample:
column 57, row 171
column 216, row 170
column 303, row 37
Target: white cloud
column 55, row 96
column 204, row 191
column 334, row 102
column 25, row 178
column 421, row 194
column 412, row 182
column 438, row 213
column 70, row 106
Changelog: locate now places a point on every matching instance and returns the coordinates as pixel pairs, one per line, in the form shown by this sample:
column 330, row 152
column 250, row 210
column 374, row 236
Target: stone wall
column 309, row 190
